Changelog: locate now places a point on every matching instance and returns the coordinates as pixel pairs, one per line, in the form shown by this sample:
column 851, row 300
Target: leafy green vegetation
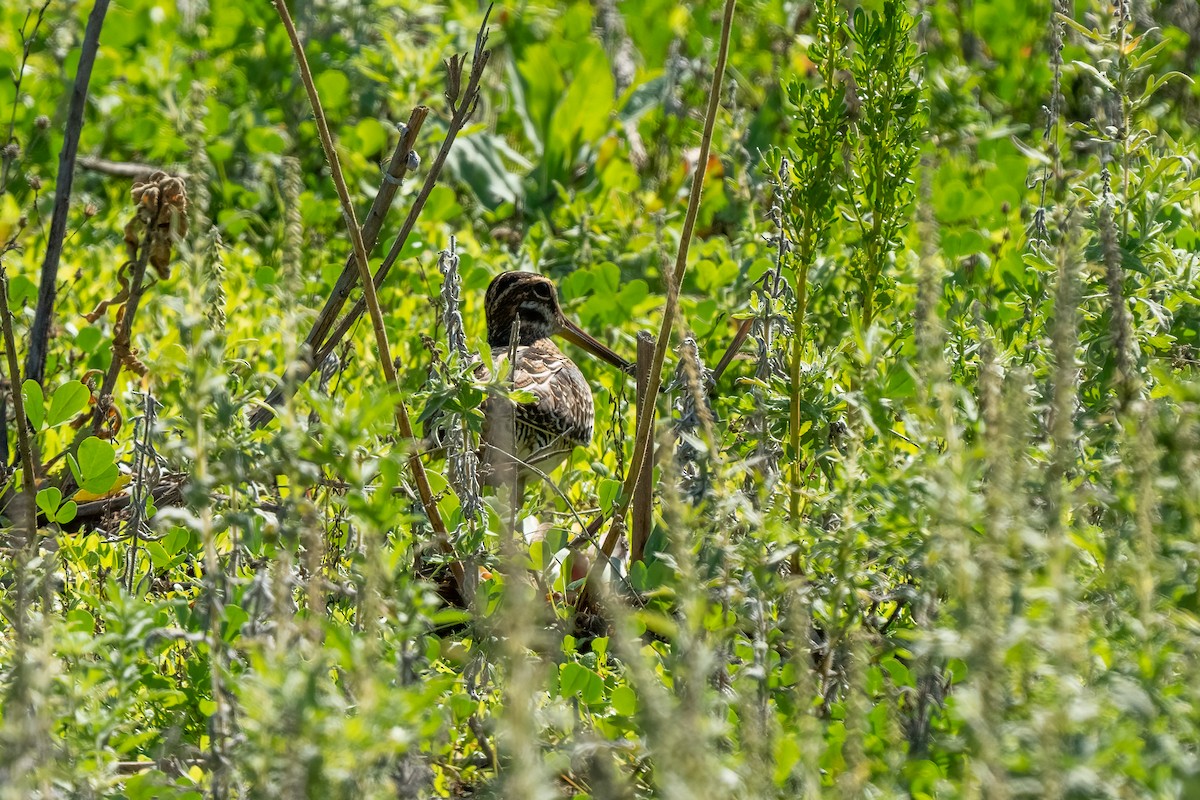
column 924, row 511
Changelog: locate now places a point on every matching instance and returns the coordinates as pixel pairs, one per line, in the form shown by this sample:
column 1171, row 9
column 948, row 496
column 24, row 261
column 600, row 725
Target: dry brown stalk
column 735, row 347
column 123, row 335
column 461, row 109
column 403, row 423
column 462, row 105
column 39, row 332
column 643, row 498
column 394, row 176
column 641, row 448
column 24, row 438
column 161, row 208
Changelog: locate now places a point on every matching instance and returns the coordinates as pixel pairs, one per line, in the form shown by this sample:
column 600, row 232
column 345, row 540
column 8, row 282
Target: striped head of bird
column 532, row 301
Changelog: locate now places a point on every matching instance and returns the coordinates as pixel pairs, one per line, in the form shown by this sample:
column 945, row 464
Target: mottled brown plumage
column 541, row 432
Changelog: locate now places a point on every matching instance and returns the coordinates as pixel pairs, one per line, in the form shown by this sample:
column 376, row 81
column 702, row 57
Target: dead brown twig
column 161, row 206
column 461, row 109
column 735, row 347
column 403, row 158
column 24, row 437
column 462, row 105
column 643, row 497
column 39, row 333
column 403, row 424
column 128, row 169
column 642, row 445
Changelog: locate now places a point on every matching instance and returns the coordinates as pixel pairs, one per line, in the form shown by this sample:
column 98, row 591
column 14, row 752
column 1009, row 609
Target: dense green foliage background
column 936, row 535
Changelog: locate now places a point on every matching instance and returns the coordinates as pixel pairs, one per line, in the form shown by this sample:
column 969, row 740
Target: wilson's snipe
column 540, row 432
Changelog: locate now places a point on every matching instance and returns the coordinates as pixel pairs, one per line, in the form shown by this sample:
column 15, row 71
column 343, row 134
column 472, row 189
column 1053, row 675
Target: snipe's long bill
column 540, row 433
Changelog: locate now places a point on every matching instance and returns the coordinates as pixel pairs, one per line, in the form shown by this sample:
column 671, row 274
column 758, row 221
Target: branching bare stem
column 403, row 423
column 641, row 447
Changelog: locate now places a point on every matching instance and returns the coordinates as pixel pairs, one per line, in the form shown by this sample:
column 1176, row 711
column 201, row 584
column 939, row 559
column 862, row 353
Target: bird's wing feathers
column 564, row 399
column 561, row 414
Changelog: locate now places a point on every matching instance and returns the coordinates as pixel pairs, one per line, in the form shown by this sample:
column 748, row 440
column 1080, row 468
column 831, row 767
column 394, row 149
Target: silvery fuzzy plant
column 771, row 331
column 692, row 382
column 461, row 458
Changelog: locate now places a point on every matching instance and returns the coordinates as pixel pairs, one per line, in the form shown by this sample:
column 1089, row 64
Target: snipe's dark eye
column 543, row 290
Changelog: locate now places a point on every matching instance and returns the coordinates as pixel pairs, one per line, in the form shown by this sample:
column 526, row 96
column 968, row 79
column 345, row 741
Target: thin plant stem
column 393, row 176
column 462, row 104
column 403, row 423
column 26, row 47
column 461, row 114
column 794, row 388
column 39, row 332
column 641, row 447
column 24, row 438
column 124, row 333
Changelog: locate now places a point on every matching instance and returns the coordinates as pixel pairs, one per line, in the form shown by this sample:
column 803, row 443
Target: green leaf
column 372, row 136
column 67, row 512
column 95, row 455
column 88, row 339
column 624, row 701
column 68, row 400
column 48, row 500
column 334, row 89
column 576, row 680
column 235, row 618
column 76, row 473
column 35, row 403
column 609, row 490
column 1088, row 33
column 581, row 115
column 176, row 539
column 80, row 619
column 265, row 140
column 478, row 160
column 97, row 465
column 159, row 556
column 537, row 556
column 787, row 756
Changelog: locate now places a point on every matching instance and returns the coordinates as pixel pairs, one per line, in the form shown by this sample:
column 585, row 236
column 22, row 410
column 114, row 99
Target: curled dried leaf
column 161, row 202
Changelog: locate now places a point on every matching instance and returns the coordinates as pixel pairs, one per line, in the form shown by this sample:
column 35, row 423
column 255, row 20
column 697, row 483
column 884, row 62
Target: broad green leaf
column 235, row 618
column 35, row 403
column 95, row 455
column 88, row 339
column 372, row 136
column 624, row 701
column 176, row 539
column 67, row 512
column 80, row 619
column 787, row 756
column 97, row 465
column 609, row 490
column 581, row 115
column 334, row 89
column 265, row 140
column 576, row 680
column 537, row 556
column 48, row 500
column 69, row 400
column 159, row 556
